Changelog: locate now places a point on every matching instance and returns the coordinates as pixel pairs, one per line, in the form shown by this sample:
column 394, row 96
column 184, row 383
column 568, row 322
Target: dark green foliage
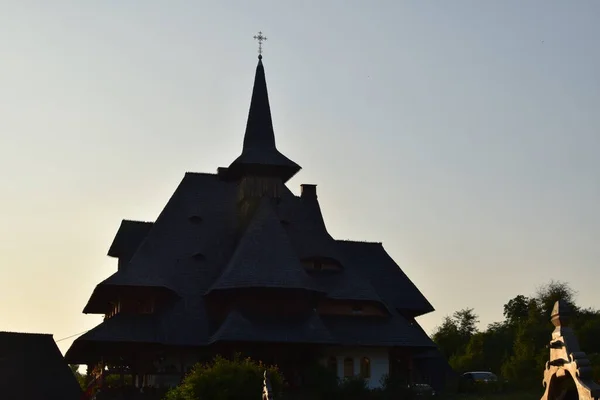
column 81, row 379
column 320, row 382
column 516, row 310
column 392, row 389
column 353, row 389
column 455, row 332
column 515, row 348
column 239, row 379
column 548, row 294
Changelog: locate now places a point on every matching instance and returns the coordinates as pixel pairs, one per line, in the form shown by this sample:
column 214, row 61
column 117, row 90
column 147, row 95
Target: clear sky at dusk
column 464, row 135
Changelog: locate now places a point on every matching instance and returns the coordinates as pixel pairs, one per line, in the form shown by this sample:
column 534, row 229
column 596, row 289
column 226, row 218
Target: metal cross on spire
column 261, row 38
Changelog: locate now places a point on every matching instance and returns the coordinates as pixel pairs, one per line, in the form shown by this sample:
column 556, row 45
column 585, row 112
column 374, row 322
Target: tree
column 587, row 328
column 455, row 332
column 467, row 321
column 553, row 291
column 516, row 348
column 447, row 337
column 516, row 310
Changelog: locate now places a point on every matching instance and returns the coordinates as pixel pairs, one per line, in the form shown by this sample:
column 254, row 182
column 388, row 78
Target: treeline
column 515, row 348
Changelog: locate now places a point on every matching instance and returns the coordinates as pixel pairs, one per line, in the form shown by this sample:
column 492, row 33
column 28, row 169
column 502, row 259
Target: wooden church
column 236, row 263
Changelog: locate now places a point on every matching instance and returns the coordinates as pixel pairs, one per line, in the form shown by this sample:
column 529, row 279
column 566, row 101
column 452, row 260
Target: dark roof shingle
column 128, row 238
column 244, row 328
column 374, row 264
column 376, row 331
column 264, row 257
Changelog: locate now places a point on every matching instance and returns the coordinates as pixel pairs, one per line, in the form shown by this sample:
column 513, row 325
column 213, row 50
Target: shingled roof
column 259, row 154
column 244, row 328
column 264, row 257
column 128, row 238
column 374, row 264
column 394, row 331
column 32, row 368
column 304, row 224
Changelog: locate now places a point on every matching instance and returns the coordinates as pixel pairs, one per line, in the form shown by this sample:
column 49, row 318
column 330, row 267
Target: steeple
column 259, row 155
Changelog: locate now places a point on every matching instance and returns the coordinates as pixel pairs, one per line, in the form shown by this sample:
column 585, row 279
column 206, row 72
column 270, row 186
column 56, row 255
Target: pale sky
column 464, row 135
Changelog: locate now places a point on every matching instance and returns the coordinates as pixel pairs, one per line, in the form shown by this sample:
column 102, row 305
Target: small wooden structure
column 568, row 373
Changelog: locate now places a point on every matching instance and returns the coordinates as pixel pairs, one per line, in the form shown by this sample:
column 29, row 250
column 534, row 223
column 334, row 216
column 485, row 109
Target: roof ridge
column 137, row 221
column 27, row 333
column 358, row 241
column 200, row 173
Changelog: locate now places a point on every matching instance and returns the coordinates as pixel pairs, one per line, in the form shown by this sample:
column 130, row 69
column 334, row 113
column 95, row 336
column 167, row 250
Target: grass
column 525, row 395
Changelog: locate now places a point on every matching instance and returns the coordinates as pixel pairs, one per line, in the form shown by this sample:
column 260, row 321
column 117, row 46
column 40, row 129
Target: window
column 365, row 367
column 348, row 367
column 114, row 310
column 321, row 264
column 357, row 309
column 332, row 364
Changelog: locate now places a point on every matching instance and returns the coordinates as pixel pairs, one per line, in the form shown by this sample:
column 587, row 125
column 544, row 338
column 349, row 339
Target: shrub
column 354, row 388
column 321, row 382
column 395, row 389
column 222, row 379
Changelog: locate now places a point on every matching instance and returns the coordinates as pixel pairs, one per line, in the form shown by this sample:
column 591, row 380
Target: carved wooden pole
column 267, row 393
column 568, row 373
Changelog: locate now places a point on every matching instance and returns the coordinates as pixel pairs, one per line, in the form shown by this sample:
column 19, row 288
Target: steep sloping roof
column 259, row 154
column 243, row 328
column 373, row 263
column 32, row 368
column 183, row 323
column 128, row 238
column 376, row 331
column 182, row 254
column 142, row 328
column 306, row 228
column 264, row 257
column 347, row 285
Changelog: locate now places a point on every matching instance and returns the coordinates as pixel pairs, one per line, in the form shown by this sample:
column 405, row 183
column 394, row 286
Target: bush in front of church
column 223, row 379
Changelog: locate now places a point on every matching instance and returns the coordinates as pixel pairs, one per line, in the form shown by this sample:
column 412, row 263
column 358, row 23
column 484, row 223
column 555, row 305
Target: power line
column 69, row 337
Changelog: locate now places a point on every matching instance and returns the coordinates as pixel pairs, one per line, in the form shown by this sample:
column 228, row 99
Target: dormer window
column 195, row 219
column 321, row 264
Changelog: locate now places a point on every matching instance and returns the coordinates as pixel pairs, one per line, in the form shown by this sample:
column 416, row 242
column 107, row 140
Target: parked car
column 471, row 380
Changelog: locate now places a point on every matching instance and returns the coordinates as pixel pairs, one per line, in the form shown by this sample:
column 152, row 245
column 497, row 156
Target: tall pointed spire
column 259, row 154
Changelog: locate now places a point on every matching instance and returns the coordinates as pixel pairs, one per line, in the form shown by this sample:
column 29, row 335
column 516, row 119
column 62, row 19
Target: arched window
column 348, row 367
column 332, row 364
column 365, row 367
